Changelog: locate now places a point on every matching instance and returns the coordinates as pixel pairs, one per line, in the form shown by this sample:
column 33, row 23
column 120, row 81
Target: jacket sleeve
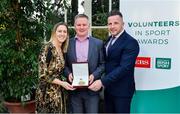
column 126, row 65
column 100, row 69
column 47, row 71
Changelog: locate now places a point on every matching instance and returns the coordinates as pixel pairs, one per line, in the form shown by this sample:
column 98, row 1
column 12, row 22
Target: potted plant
column 18, row 68
column 20, row 37
column 22, row 31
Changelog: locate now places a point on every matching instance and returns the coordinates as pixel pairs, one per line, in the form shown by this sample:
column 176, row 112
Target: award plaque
column 80, row 74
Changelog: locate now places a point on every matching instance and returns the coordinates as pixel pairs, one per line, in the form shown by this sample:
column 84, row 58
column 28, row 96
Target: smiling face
column 81, row 27
column 61, row 33
column 115, row 24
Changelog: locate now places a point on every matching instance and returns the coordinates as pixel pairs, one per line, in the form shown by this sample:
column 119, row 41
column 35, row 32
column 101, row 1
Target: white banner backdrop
column 156, row 26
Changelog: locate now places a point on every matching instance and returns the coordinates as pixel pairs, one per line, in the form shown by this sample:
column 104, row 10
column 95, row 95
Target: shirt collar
column 85, row 38
column 117, row 36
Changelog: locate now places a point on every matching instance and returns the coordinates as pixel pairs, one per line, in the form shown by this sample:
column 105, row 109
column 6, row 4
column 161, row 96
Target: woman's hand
column 64, row 84
column 67, row 86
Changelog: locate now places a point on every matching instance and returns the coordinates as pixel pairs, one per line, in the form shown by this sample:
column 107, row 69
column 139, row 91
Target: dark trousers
column 82, row 102
column 116, row 104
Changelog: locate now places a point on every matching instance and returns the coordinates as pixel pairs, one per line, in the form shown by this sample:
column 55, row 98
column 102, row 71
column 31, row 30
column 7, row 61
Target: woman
column 50, row 95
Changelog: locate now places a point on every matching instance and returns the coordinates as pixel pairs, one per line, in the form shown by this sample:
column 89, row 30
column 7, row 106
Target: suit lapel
column 116, row 44
column 90, row 50
column 74, row 49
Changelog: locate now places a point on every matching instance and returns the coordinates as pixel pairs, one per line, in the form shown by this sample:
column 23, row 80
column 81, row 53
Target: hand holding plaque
column 80, row 74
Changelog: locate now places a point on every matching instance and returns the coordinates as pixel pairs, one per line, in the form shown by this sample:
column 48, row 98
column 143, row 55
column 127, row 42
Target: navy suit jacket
column 119, row 66
column 95, row 57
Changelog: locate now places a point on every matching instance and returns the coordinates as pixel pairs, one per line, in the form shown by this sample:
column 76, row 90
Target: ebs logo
column 143, row 62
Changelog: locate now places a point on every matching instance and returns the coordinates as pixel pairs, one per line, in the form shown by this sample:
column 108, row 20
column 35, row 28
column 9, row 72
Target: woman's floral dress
column 50, row 98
